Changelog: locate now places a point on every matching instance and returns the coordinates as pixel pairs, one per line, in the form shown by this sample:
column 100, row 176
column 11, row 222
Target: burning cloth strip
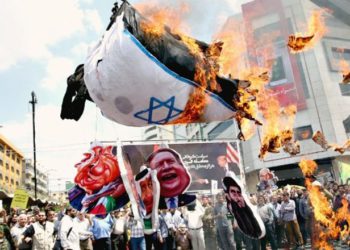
column 139, row 78
column 320, row 139
column 316, row 30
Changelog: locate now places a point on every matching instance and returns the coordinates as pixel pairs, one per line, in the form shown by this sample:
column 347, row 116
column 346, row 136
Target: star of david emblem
column 156, row 104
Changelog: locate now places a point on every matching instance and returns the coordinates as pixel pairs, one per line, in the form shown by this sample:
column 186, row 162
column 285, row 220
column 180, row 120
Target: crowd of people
column 205, row 224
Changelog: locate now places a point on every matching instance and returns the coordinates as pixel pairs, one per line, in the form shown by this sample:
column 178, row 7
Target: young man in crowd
column 101, row 230
column 289, row 218
column 267, row 215
column 224, row 231
column 119, row 233
column 68, row 231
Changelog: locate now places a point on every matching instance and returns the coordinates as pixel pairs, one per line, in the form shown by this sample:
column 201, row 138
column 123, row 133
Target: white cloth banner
column 134, row 88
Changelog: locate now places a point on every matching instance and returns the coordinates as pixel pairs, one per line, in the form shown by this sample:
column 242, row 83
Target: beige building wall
column 11, row 166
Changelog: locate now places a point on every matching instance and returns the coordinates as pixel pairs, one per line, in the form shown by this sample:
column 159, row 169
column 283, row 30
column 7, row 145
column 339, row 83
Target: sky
column 42, row 41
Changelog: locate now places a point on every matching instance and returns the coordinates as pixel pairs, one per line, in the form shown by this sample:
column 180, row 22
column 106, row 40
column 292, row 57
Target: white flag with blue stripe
column 134, row 88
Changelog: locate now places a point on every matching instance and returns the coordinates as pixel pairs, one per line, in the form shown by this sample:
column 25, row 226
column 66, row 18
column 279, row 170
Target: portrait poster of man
column 148, row 189
column 244, row 213
column 173, row 177
column 205, row 161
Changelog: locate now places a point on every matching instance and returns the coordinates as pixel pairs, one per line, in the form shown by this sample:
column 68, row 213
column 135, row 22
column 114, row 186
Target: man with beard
column 246, row 220
column 68, row 232
column 173, row 178
column 41, row 233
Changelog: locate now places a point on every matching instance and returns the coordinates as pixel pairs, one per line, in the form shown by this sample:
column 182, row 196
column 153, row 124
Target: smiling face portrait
column 173, row 177
column 147, row 193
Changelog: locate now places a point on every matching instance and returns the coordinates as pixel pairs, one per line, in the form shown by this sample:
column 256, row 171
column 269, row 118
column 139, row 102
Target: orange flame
column 328, row 222
column 229, row 57
column 206, row 67
column 320, row 139
column 159, row 15
column 278, row 126
column 316, row 30
column 232, row 58
column 308, row 167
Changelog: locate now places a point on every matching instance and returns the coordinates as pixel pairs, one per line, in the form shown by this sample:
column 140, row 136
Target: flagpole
column 240, row 165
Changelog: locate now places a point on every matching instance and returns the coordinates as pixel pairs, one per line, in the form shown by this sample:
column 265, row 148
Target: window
column 12, row 182
column 12, row 169
column 8, row 152
column 17, row 183
column 221, row 127
column 1, row 177
column 1, row 148
column 346, row 123
column 17, row 171
column 341, row 54
column 152, row 137
column 1, row 163
column 278, row 73
column 6, row 178
column 13, row 156
column 303, row 133
column 7, row 166
column 344, row 89
column 150, row 129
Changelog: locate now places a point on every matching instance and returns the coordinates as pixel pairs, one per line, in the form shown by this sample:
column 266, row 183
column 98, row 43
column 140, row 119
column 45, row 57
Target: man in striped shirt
column 137, row 236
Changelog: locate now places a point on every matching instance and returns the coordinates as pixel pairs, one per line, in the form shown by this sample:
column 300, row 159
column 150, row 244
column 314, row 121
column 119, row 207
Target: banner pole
column 240, row 165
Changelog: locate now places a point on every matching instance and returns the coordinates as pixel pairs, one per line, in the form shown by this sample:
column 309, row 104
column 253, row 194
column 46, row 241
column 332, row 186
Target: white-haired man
column 17, row 231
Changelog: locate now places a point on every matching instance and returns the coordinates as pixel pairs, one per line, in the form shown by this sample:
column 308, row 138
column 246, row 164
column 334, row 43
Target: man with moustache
column 173, row 178
column 41, row 233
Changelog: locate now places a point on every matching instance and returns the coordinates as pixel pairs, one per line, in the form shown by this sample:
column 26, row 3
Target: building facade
column 11, row 166
column 158, row 133
column 42, row 181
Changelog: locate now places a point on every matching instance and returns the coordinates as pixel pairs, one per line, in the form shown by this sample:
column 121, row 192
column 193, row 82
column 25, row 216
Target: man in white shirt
column 68, row 231
column 18, row 230
column 289, row 217
column 83, row 225
column 119, row 236
column 279, row 226
column 193, row 216
column 173, row 219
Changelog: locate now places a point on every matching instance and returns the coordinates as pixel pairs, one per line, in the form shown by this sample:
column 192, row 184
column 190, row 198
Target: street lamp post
column 33, row 102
